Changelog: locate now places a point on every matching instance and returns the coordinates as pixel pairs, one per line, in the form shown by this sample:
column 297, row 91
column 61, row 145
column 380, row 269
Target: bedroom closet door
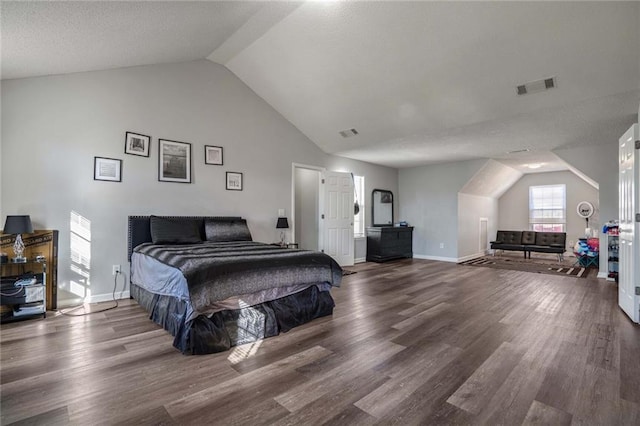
column 337, row 217
column 629, row 239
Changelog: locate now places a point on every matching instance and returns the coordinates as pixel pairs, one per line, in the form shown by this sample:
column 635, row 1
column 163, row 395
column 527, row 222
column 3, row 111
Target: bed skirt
column 222, row 330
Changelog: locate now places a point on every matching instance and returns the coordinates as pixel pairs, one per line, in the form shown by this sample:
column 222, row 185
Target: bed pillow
column 173, row 231
column 227, row 230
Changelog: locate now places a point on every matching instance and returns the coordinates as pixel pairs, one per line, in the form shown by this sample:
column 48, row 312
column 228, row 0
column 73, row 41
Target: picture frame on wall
column 213, row 155
column 174, row 161
column 109, row 169
column 137, row 144
column 234, row 181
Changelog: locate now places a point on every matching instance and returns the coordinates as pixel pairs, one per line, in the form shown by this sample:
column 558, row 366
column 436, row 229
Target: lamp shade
column 282, row 223
column 18, row 225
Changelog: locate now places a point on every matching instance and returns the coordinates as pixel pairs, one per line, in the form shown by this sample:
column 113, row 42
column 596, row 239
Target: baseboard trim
column 360, row 260
column 602, row 275
column 469, row 257
column 438, row 258
column 107, row 297
column 98, row 298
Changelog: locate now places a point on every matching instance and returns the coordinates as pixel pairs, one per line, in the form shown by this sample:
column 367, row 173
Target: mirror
column 382, row 208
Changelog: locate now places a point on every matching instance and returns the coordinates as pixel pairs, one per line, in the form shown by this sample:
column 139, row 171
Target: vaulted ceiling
column 421, row 82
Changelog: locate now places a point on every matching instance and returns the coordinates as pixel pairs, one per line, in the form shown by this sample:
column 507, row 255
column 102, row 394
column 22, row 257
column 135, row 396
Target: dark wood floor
column 410, row 342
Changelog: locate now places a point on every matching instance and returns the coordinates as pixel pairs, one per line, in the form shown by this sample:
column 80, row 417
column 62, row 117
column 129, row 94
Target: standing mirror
column 382, row 208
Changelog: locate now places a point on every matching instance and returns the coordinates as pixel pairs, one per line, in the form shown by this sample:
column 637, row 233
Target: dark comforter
column 217, row 271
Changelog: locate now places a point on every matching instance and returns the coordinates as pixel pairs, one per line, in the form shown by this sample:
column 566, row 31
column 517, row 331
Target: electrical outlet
column 441, row 245
column 116, row 269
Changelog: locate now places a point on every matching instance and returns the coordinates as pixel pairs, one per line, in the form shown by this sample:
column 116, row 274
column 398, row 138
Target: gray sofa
column 531, row 241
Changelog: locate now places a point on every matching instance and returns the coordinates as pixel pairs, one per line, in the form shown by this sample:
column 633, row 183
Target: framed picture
column 109, row 169
column 174, row 161
column 213, row 155
column 234, row 181
column 137, row 144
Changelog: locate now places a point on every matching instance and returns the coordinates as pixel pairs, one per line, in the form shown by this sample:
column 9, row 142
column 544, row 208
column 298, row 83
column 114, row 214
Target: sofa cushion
column 549, row 238
column 509, row 237
column 507, row 246
column 528, row 237
column 555, row 248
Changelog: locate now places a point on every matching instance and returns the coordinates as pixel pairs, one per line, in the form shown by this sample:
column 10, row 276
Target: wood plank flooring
column 410, row 342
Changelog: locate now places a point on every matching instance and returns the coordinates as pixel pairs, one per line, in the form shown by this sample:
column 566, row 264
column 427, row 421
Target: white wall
column 360, row 250
column 375, row 177
column 600, row 163
column 52, row 127
column 513, row 206
column 429, row 199
column 470, row 209
column 429, row 202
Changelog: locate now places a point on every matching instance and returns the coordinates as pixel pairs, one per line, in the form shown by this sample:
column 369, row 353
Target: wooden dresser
column 389, row 242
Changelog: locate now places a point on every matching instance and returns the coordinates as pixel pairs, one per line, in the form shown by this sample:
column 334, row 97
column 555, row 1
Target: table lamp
column 17, row 225
column 283, row 223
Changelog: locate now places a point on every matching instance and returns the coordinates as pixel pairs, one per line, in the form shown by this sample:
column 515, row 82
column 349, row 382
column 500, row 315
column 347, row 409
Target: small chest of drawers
column 389, row 242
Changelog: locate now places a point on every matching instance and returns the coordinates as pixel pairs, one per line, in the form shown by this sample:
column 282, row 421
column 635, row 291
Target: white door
column 629, row 203
column 337, row 217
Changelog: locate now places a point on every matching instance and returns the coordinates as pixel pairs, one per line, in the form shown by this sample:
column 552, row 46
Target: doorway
column 322, row 211
column 306, row 206
column 484, row 235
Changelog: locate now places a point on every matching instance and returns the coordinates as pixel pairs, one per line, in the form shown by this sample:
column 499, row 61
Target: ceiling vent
column 536, row 86
column 348, row 133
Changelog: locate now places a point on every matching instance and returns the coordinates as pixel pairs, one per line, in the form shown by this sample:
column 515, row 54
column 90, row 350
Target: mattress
column 208, row 284
column 229, row 275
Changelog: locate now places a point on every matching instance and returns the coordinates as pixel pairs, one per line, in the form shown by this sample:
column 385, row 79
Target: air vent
column 348, row 133
column 536, row 86
column 518, row 151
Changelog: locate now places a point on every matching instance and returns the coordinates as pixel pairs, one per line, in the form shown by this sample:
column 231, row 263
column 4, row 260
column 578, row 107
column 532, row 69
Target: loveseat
column 529, row 241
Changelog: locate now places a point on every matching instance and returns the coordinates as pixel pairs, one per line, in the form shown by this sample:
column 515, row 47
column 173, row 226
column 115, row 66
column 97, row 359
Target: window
column 547, row 208
column 358, row 220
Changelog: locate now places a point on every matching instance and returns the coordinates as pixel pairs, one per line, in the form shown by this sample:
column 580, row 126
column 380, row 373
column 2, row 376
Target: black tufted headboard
column 140, row 230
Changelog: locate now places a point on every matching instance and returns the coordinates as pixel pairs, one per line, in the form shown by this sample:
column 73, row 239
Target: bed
column 205, row 281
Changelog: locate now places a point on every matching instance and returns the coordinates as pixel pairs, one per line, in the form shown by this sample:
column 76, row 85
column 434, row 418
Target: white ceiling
column 422, row 82
column 59, row 37
column 492, row 180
